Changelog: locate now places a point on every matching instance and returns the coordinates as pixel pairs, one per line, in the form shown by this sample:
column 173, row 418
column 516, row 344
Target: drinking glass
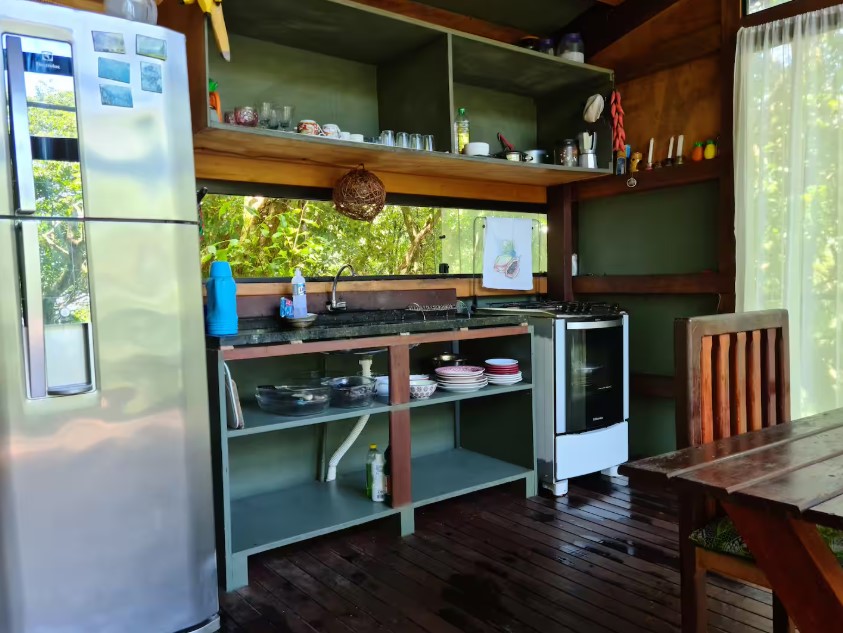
column 285, row 117
column 388, row 138
column 429, row 144
column 416, row 141
column 264, row 114
column 402, row 139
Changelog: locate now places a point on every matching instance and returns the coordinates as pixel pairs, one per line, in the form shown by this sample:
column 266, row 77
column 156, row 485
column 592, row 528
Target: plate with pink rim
column 463, row 370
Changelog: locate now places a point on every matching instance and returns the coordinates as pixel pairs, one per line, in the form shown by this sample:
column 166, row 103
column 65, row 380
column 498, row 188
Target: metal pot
column 515, row 156
column 448, row 360
column 537, row 155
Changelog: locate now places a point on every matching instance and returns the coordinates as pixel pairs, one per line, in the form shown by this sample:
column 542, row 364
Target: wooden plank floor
column 604, row 558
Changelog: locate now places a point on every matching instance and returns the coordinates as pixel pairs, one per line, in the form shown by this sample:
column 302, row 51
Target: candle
column 670, row 149
column 650, row 155
column 681, row 145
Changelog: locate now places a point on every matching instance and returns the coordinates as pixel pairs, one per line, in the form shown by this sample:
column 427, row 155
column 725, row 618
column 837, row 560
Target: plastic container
column 294, row 399
column 299, row 295
column 221, row 315
column 375, row 477
column 546, row 46
column 572, row 48
column 351, row 391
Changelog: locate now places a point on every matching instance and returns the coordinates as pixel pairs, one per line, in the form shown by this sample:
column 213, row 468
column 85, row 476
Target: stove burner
column 562, row 307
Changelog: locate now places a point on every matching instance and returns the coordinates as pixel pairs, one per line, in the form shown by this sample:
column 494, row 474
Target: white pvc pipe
column 366, row 366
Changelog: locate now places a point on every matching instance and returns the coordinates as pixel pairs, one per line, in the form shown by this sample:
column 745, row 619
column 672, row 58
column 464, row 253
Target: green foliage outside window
column 270, row 237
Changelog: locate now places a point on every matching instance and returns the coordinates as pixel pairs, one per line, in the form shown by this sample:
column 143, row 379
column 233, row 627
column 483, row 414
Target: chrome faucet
column 335, row 305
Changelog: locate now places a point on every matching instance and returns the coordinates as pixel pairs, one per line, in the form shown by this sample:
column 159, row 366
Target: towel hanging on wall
column 508, row 254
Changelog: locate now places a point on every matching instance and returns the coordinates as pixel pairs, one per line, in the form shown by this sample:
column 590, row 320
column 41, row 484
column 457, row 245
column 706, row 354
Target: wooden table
column 776, row 485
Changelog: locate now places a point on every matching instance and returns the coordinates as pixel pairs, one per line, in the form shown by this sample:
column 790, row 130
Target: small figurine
column 633, row 164
column 697, row 153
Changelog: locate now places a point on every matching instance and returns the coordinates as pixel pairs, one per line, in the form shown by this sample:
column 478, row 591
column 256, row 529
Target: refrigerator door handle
column 19, row 123
column 29, row 261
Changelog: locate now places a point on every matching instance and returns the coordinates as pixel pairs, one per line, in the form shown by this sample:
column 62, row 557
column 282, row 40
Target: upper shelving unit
column 366, row 70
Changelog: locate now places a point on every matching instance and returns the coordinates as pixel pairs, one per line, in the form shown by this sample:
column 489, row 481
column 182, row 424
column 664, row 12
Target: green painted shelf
column 273, row 519
column 259, row 421
column 457, row 472
column 442, row 396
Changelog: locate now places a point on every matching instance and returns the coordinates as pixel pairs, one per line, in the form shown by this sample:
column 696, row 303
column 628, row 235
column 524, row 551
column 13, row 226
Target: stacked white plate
column 503, row 371
column 464, row 379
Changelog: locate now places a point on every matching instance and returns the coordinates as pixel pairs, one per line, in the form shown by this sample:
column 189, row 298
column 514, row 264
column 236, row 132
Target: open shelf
column 259, row 421
column 700, row 283
column 457, row 472
column 303, row 150
column 687, row 174
column 273, row 519
column 441, row 396
column 506, row 68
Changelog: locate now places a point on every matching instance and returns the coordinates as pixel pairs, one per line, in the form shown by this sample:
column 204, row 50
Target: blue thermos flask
column 221, row 314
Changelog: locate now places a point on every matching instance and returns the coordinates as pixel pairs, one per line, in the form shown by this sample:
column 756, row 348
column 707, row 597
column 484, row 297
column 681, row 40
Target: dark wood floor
column 604, row 558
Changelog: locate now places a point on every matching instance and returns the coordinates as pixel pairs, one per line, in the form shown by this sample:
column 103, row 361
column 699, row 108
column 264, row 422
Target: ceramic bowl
column 351, row 391
column 422, row 389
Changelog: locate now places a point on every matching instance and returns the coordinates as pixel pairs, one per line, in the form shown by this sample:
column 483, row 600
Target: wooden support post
column 803, row 572
column 399, row 427
column 560, row 242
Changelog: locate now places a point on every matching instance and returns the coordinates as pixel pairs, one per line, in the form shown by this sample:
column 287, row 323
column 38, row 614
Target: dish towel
column 508, row 254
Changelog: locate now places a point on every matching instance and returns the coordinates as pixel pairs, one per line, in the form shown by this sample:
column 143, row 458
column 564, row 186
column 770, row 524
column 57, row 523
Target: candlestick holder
column 649, row 167
column 667, row 162
column 680, row 160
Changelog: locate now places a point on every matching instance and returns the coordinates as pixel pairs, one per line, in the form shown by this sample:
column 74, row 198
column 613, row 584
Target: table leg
column 799, row 565
column 692, row 578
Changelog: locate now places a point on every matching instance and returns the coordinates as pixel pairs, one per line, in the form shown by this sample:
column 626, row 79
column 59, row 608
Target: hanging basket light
column 359, row 195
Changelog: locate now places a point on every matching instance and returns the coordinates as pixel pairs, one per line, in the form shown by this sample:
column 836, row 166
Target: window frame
column 230, row 188
column 782, row 11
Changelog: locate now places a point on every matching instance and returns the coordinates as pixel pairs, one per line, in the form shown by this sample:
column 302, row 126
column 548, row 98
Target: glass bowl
column 351, row 391
column 296, row 400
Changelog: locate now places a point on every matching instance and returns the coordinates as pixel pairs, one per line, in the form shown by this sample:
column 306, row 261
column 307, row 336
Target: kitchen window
column 264, row 237
column 754, row 6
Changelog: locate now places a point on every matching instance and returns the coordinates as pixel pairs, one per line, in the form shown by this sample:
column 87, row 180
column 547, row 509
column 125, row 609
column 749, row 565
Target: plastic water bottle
column 461, row 130
column 375, row 486
column 299, row 296
column 221, row 314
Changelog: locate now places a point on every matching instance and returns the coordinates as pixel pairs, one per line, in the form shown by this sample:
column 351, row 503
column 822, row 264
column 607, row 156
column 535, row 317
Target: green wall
column 672, row 231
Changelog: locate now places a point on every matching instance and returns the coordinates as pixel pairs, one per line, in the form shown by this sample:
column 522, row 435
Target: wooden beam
column 681, row 175
column 560, row 242
column 694, row 284
column 602, row 25
column 464, row 287
column 651, row 386
column 447, row 19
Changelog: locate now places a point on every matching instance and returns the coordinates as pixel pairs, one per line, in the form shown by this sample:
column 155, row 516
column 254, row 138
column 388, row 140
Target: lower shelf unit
column 268, row 488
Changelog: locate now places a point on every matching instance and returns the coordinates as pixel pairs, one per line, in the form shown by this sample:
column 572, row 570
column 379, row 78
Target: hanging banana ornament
column 213, row 10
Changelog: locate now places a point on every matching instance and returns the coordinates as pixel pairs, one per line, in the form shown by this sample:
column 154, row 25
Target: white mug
column 345, row 136
column 331, row 130
column 357, row 138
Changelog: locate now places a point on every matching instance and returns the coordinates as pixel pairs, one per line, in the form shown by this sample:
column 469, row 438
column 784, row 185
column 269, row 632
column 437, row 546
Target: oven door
column 593, row 359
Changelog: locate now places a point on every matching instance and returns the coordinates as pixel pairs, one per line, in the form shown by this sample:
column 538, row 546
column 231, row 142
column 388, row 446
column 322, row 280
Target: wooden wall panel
column 686, row 30
column 681, row 100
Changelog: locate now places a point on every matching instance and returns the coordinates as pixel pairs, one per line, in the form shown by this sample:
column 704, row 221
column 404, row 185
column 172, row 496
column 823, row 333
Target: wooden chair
column 732, row 376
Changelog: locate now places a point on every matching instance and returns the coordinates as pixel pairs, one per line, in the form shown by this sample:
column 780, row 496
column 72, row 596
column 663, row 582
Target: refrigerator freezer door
column 106, row 521
column 131, row 104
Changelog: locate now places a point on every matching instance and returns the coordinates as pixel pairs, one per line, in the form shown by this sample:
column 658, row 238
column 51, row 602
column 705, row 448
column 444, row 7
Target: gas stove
column 580, row 310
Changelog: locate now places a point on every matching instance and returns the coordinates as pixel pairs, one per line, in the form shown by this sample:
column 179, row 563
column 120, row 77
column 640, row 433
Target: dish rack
column 444, row 311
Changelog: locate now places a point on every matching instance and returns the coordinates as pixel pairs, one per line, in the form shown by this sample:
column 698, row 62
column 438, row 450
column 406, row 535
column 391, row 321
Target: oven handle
column 593, row 325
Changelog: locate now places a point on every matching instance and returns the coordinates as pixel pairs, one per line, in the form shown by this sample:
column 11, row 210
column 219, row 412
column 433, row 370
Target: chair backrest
column 732, row 375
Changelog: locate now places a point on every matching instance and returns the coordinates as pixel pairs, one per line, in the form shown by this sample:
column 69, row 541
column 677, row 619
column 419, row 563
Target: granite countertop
column 270, row 332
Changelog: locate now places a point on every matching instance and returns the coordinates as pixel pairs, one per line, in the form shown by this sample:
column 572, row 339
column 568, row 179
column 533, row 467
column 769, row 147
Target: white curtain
column 789, row 192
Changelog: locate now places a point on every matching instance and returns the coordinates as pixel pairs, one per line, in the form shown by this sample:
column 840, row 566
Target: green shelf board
column 458, row 472
column 506, row 68
column 259, row 421
column 441, row 396
column 266, row 521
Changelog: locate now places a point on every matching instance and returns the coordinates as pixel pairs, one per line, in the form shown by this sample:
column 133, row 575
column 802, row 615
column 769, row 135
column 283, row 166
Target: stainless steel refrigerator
column 106, row 508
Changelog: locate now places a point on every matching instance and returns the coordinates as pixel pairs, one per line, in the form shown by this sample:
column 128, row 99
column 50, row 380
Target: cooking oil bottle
column 461, row 131
column 375, row 481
